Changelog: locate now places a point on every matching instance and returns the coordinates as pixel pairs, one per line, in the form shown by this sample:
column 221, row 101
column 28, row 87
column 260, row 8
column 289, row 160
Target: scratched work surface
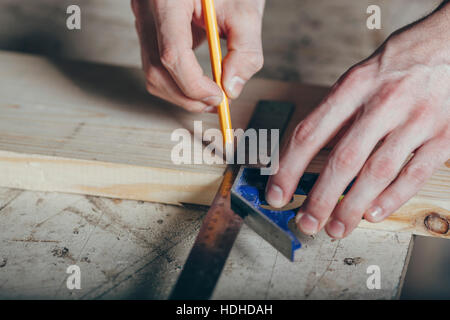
column 132, row 249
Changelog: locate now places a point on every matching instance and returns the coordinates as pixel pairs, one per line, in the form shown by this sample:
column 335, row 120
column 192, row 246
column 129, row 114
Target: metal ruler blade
column 221, row 225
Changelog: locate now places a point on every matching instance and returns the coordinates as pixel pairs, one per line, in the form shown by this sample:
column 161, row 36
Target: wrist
column 430, row 37
column 438, row 27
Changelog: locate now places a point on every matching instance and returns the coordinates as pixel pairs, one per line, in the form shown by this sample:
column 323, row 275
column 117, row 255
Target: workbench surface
column 133, row 249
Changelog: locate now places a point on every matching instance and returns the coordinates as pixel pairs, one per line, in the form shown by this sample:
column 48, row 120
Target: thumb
column 245, row 53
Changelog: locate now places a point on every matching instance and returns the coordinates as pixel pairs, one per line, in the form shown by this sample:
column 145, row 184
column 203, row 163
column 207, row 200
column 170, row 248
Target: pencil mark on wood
column 31, row 239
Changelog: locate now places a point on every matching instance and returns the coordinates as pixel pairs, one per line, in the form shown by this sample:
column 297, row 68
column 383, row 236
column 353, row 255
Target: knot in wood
column 436, row 223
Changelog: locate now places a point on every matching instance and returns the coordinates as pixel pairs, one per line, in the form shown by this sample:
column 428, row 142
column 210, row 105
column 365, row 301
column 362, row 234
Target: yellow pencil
column 215, row 53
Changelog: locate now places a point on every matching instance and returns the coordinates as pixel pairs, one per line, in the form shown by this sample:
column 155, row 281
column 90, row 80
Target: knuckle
column 251, row 13
column 354, row 218
column 248, row 13
column 158, row 4
column 354, row 74
column 388, row 51
column 319, row 206
column 303, row 132
column 344, row 159
column 133, row 6
column 395, row 199
column 151, row 89
column 152, row 80
column 169, row 58
column 151, row 75
column 256, row 16
column 350, row 216
column 255, row 60
column 193, row 89
column 392, row 200
column 136, row 7
column 424, row 110
column 417, row 173
column 389, row 93
column 192, row 107
column 382, row 168
column 423, row 113
column 357, row 74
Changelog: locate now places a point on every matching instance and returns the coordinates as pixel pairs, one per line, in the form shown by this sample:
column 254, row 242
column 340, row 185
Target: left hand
column 397, row 102
column 169, row 31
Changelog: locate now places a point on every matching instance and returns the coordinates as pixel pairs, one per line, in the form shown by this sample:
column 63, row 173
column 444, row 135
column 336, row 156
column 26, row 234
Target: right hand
column 169, row 31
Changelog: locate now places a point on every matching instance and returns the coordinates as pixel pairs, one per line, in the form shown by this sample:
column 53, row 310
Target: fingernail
column 274, row 196
column 298, row 217
column 375, row 212
column 308, row 224
column 213, row 101
column 336, row 229
column 234, row 87
column 210, row 110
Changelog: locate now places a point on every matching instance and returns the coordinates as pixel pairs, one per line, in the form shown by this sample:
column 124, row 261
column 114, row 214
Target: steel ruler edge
column 221, row 225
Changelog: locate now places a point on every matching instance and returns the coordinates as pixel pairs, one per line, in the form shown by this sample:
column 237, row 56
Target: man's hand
column 395, row 103
column 169, row 31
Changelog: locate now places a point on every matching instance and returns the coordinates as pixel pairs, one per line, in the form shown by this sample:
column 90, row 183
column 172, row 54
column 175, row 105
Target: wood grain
column 92, row 129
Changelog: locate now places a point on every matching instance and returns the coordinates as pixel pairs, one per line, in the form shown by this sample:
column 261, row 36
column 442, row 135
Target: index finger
column 315, row 131
column 175, row 40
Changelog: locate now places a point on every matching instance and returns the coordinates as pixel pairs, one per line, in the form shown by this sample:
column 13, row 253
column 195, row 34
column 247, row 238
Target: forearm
column 437, row 26
column 432, row 50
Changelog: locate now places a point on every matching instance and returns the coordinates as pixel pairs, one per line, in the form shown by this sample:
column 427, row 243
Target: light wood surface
column 92, row 129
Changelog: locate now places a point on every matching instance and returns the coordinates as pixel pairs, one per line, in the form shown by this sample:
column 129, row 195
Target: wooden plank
column 92, row 129
column 420, row 216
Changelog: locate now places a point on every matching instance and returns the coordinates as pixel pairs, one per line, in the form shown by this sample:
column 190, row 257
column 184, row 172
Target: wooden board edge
column 418, row 216
column 57, row 174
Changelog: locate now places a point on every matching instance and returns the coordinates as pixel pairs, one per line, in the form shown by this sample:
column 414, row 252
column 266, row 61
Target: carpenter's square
column 221, row 225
